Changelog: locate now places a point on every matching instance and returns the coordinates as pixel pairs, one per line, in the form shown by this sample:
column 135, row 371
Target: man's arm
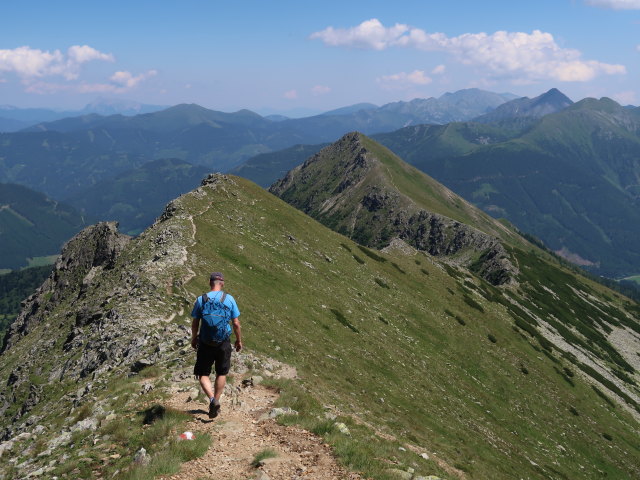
column 238, row 333
column 195, row 325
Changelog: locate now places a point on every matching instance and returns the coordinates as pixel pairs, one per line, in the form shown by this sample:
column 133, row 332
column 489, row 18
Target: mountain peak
column 528, row 109
column 362, row 190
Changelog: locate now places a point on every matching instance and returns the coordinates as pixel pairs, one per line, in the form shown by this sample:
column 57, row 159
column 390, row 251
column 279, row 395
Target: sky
column 297, row 57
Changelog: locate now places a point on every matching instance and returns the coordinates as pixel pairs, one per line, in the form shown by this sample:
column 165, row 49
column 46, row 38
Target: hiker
column 210, row 337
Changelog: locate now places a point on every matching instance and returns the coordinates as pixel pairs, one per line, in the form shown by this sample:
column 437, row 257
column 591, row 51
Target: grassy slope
column 446, row 387
column 32, row 225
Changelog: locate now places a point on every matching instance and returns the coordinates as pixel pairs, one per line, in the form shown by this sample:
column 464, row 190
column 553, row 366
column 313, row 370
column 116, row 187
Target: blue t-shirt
column 229, row 301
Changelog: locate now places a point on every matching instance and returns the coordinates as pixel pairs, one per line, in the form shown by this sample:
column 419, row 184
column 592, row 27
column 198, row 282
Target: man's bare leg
column 205, row 383
column 221, row 381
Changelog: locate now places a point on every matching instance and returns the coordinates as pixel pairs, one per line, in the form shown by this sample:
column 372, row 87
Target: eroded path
column 242, row 430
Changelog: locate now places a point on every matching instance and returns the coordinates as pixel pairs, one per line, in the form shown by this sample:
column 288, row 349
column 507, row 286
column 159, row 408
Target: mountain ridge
column 428, row 371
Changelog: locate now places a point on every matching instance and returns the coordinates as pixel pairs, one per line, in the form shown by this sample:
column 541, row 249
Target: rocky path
column 242, row 430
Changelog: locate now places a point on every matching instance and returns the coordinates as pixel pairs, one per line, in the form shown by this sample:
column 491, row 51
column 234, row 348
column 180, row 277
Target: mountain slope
column 411, row 365
column 136, row 197
column 362, row 190
column 32, row 225
column 570, row 180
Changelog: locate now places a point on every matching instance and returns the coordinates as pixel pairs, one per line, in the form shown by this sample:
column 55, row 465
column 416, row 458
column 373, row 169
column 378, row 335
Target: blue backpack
column 215, row 320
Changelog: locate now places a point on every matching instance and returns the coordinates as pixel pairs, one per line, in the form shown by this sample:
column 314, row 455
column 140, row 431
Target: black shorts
column 210, row 354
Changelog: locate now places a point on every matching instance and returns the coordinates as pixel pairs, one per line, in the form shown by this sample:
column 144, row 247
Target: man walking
column 210, row 336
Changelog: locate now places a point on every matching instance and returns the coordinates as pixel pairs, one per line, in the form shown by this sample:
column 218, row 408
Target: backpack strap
column 205, row 298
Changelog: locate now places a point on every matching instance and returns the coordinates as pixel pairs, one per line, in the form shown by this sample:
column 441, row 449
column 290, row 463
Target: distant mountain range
column 13, row 118
column 566, row 173
column 65, row 156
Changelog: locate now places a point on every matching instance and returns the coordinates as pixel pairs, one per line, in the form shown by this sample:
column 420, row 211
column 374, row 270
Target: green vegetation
column 263, row 455
column 15, row 287
column 416, row 378
column 560, row 179
column 415, row 410
column 33, row 227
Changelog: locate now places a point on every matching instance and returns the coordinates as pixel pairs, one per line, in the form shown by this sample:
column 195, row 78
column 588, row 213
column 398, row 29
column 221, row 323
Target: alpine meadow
column 337, row 241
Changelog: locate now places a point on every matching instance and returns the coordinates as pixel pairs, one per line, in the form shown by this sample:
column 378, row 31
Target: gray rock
column 146, row 388
column 141, row 457
column 342, row 428
column 401, row 474
column 276, row 412
column 262, row 476
column 62, row 439
column 141, row 364
column 425, row 456
column 90, row 423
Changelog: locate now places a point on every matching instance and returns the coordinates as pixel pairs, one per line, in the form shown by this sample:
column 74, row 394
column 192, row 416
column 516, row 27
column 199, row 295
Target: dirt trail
column 241, row 431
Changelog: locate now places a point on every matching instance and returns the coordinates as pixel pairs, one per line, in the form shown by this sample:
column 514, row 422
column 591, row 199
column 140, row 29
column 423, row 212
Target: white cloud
column 616, row 4
column 404, row 80
column 638, row 47
column 517, row 55
column 369, row 34
column 126, row 80
column 290, row 94
column 32, row 63
column 120, row 82
column 320, row 90
column 439, row 70
column 85, row 53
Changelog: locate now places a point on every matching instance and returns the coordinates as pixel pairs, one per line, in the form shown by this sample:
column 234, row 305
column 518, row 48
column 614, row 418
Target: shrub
column 358, row 259
column 382, row 319
column 381, row 282
column 472, row 303
column 371, row 254
column 346, row 247
column 397, row 267
column 263, row 455
column 491, row 338
column 426, row 272
column 343, row 320
column 574, row 411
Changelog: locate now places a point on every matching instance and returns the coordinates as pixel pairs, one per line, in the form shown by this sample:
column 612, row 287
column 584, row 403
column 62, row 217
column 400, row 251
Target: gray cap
column 216, row 276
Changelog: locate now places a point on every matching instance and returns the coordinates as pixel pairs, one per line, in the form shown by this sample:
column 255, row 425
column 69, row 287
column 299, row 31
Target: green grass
column 415, row 410
column 263, row 455
column 418, row 378
column 42, row 261
column 634, row 278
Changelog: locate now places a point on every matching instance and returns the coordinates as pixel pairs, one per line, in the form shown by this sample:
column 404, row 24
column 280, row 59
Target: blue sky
column 286, row 55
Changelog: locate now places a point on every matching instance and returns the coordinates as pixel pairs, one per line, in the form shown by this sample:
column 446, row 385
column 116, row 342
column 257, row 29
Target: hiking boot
column 214, row 408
